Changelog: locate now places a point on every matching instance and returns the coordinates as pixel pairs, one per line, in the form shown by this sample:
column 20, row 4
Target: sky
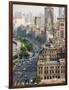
column 35, row 10
column 26, row 9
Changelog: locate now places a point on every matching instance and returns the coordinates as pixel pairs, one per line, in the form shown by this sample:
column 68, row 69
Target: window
column 44, row 77
column 62, row 24
column 56, row 66
column 53, row 76
column 56, row 71
column 52, row 67
column 40, row 67
column 62, row 34
column 44, row 72
column 50, row 77
column 39, row 72
column 52, row 71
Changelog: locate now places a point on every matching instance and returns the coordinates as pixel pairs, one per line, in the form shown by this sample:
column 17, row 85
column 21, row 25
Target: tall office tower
column 61, row 12
column 38, row 21
column 48, row 22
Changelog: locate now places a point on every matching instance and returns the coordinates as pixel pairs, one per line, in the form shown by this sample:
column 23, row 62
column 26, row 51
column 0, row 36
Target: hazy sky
column 35, row 10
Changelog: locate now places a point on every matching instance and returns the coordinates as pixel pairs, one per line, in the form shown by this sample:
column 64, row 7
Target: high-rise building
column 49, row 18
column 61, row 12
column 38, row 21
column 59, row 36
column 48, row 21
column 38, row 25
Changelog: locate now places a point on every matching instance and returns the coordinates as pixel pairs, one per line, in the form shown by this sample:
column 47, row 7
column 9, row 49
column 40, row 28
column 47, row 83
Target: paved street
column 25, row 69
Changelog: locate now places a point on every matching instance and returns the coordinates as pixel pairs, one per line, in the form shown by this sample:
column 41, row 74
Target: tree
column 23, row 52
column 15, row 57
column 36, row 80
column 26, row 47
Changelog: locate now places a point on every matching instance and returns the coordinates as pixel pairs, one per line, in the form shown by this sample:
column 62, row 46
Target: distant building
column 38, row 26
column 59, row 36
column 61, row 12
column 49, row 22
column 48, row 51
column 23, row 19
column 37, row 21
column 18, row 20
column 61, row 27
column 29, row 18
column 49, row 18
column 18, row 15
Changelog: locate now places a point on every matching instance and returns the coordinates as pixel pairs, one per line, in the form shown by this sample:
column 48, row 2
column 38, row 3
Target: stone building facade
column 49, row 66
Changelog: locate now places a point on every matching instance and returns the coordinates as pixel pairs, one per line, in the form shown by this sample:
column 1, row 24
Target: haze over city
column 35, row 10
column 38, row 45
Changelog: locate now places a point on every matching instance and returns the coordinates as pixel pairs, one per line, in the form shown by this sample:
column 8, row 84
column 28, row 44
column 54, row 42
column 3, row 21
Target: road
column 25, row 69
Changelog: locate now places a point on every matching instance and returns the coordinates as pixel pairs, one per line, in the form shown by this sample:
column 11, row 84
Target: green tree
column 23, row 52
column 15, row 57
column 26, row 47
column 36, row 80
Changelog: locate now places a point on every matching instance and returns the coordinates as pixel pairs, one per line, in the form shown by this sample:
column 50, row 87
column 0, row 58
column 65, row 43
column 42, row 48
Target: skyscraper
column 61, row 12
column 49, row 18
column 48, row 22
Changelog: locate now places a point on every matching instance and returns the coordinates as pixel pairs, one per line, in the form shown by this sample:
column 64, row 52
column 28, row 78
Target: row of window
column 52, row 67
column 48, row 54
column 49, row 51
column 50, row 77
column 51, row 71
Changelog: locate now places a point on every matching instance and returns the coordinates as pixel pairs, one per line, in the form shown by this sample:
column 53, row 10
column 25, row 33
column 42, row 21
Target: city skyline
column 37, row 10
column 38, row 45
